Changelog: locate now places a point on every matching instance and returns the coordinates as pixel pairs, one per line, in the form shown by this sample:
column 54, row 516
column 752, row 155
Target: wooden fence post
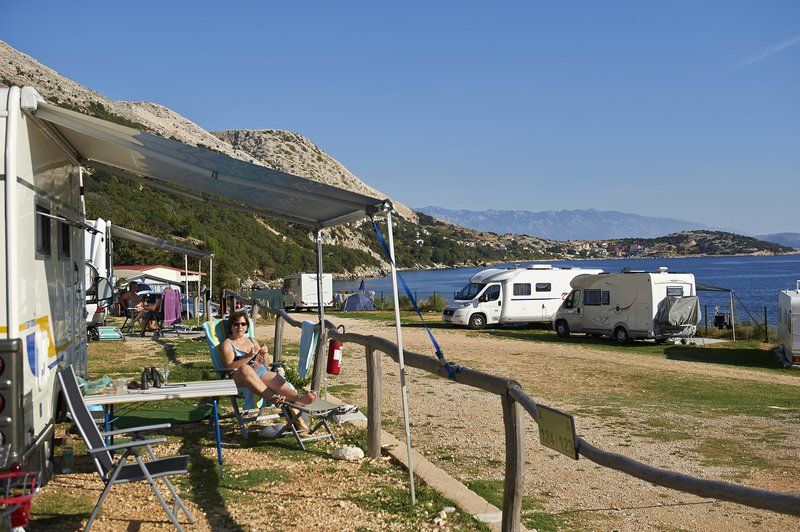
column 278, row 344
column 514, row 424
column 320, row 361
column 374, row 390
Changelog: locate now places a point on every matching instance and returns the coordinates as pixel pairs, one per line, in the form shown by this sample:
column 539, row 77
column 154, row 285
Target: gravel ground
column 460, row 428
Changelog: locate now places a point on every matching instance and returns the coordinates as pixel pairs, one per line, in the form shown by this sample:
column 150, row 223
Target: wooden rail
column 514, row 401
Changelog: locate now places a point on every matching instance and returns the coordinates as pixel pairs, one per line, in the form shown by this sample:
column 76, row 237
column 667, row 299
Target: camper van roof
column 195, row 172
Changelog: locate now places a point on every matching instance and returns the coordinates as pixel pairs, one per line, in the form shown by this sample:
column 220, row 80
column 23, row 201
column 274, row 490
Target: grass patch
column 397, row 501
column 746, row 353
column 532, row 514
column 345, row 391
column 730, row 453
column 59, row 510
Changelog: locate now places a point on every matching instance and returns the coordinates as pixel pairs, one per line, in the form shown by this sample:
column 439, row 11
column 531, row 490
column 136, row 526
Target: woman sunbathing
column 246, row 358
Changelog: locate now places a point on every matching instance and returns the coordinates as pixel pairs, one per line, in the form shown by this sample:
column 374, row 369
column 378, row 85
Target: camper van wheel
column 621, row 335
column 477, row 321
column 562, row 329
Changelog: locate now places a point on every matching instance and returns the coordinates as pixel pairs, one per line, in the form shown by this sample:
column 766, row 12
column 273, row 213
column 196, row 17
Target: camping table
column 174, row 390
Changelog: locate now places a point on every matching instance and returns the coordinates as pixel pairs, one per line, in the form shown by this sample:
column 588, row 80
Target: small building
column 169, row 273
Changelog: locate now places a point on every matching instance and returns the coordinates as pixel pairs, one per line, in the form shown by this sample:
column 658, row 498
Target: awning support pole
column 318, row 379
column 400, row 359
column 211, row 279
column 186, row 284
column 733, row 321
column 197, row 299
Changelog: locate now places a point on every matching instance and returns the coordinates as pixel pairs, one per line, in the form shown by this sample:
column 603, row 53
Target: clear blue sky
column 685, row 109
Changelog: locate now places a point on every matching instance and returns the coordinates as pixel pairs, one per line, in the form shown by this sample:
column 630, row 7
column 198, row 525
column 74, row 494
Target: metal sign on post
column 557, row 431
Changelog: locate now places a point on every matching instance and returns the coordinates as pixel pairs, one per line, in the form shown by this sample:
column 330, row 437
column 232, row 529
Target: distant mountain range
column 791, row 240
column 587, row 224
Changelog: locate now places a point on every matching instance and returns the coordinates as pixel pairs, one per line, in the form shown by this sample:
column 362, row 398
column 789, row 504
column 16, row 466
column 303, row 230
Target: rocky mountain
column 281, row 150
column 587, row 224
column 791, row 240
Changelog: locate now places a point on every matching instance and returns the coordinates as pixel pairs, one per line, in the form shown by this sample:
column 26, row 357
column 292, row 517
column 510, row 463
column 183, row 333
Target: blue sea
column 756, row 281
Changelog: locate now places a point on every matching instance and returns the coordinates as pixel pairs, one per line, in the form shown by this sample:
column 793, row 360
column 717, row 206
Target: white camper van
column 631, row 304
column 42, row 281
column 513, row 295
column 300, row 291
column 789, row 327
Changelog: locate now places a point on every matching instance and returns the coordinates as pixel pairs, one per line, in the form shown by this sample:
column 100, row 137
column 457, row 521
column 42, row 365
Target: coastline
column 377, row 273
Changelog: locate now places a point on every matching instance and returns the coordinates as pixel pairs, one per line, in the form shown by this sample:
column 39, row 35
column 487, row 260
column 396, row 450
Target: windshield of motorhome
column 470, row 291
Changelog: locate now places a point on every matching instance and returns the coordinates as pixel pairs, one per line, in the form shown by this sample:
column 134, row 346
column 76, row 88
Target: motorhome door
column 572, row 310
column 492, row 301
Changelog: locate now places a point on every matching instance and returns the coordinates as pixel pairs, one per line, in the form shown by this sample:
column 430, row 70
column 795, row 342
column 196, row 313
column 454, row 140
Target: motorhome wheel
column 562, row 329
column 621, row 335
column 477, row 321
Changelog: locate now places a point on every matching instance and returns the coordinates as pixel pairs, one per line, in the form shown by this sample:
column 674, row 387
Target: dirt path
column 460, row 429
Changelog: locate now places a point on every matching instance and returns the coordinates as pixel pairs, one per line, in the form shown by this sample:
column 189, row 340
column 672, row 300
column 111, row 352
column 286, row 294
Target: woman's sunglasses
column 240, row 324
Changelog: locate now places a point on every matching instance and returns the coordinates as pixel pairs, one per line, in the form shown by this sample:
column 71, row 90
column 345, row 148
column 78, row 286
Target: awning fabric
column 203, row 174
column 155, row 242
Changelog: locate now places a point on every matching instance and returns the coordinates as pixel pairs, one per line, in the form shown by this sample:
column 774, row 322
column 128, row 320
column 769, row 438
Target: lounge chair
column 120, row 472
column 216, row 332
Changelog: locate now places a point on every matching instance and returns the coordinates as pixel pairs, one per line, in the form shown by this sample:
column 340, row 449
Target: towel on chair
column 171, row 305
column 308, row 345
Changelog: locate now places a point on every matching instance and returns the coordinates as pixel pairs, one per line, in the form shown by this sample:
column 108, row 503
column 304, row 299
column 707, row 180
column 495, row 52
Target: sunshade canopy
column 155, row 242
column 200, row 173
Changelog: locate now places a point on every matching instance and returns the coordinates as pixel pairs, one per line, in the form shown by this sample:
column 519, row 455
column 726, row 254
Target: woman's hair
column 234, row 316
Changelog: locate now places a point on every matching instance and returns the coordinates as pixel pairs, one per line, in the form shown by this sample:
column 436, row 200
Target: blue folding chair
column 216, row 333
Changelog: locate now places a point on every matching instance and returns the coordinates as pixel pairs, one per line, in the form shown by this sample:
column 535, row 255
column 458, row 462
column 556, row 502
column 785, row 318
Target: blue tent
column 359, row 301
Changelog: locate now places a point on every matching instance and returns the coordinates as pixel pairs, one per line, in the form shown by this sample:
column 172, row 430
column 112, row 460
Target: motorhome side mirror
column 105, row 292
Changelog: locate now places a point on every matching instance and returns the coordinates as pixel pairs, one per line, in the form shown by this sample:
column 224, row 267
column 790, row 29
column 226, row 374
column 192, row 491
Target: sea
column 755, row 280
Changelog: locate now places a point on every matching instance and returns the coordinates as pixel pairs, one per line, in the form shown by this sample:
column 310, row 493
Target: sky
column 683, row 109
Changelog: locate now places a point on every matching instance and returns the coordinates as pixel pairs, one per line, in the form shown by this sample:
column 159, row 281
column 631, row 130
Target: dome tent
column 358, row 301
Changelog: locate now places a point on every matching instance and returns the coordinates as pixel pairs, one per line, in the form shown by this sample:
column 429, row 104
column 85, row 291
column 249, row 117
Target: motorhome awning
column 155, row 242
column 199, row 173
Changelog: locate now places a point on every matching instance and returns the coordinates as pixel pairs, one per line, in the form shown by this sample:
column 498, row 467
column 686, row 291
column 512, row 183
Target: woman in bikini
column 246, row 358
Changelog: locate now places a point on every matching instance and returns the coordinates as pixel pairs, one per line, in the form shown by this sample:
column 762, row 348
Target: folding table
column 173, row 390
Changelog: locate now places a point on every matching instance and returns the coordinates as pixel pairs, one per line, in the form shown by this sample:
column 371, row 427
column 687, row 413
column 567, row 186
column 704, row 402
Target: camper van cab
column 789, row 327
column 300, row 291
column 513, row 295
column 631, row 304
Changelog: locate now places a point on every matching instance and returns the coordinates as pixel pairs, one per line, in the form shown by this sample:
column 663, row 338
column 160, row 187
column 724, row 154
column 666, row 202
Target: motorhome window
column 469, row 292
column 492, row 293
column 522, row 289
column 543, row 287
column 591, row 297
column 605, row 297
column 42, row 232
column 64, row 238
column 573, row 299
column 676, row 291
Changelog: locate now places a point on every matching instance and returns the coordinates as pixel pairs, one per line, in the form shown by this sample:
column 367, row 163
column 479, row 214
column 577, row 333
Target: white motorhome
column 789, row 326
column 512, row 295
column 43, row 290
column 631, row 304
column 300, row 291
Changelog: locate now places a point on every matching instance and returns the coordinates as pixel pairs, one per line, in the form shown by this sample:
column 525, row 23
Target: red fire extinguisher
column 335, row 355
